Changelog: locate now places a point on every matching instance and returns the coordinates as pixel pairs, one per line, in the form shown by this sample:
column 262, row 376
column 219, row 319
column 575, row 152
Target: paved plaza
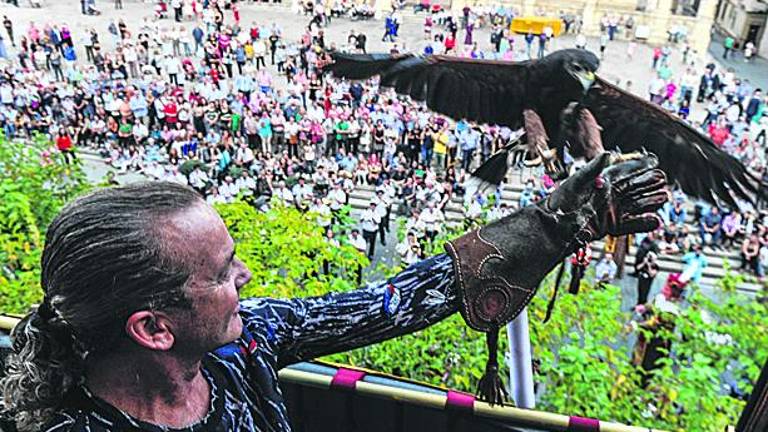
column 616, row 66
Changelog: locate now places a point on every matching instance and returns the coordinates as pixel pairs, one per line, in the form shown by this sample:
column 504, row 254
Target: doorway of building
column 752, row 33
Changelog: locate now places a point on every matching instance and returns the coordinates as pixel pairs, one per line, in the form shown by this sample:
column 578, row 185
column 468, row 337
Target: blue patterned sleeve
column 305, row 328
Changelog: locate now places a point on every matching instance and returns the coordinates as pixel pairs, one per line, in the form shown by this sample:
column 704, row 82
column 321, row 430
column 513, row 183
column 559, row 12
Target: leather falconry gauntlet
column 499, row 267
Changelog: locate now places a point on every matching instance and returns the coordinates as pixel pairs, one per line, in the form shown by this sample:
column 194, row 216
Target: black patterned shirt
column 245, row 393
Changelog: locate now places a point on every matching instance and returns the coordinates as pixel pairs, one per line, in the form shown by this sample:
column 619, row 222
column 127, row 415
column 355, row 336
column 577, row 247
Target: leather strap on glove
column 499, row 267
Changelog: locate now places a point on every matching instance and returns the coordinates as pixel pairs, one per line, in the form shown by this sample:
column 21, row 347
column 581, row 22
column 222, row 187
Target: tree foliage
column 34, row 184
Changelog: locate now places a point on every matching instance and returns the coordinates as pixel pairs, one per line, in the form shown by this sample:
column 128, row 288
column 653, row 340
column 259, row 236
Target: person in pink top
column 670, row 90
column 33, row 33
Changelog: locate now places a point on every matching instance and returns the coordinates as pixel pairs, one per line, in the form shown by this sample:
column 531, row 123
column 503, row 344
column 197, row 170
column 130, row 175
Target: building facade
column 744, row 20
column 654, row 21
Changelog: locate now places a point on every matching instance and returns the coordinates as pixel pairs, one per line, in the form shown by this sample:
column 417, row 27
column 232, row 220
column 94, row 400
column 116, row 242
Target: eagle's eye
column 577, row 67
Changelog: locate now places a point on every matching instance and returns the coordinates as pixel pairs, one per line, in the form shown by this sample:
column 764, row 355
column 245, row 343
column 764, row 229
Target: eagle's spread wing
column 687, row 156
column 484, row 91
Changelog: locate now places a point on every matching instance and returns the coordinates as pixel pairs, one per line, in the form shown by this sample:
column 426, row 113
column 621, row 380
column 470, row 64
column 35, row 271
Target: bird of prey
column 558, row 96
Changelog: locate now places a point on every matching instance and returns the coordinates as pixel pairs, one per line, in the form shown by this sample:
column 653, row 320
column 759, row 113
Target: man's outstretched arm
column 305, row 328
column 491, row 273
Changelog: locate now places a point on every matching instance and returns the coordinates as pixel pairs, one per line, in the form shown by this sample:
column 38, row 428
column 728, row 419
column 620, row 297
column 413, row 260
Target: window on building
column 724, row 10
column 685, row 7
column 641, row 6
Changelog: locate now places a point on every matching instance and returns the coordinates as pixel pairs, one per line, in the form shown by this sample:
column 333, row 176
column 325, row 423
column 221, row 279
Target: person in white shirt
column 409, row 249
column 357, row 241
column 432, row 219
column 338, row 198
column 214, row 197
column 322, row 212
column 172, row 68
column 474, row 209
column 132, row 58
column 369, row 222
column 229, row 189
column 246, row 184
column 415, row 225
column 581, row 41
column 282, row 193
column 153, row 170
column 302, row 192
column 244, row 155
column 382, row 210
column 140, row 132
column 6, row 94
column 495, row 213
column 390, row 195
column 198, row 179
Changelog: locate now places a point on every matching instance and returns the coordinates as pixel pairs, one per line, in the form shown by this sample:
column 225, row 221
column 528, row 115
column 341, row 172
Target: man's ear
column 151, row 330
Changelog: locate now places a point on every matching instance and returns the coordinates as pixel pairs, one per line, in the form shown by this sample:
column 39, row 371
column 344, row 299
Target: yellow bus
column 536, row 25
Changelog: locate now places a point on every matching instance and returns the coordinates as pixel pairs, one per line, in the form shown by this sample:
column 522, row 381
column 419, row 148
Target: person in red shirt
column 450, row 43
column 171, row 112
column 579, row 263
column 236, row 14
column 719, row 132
column 65, row 146
column 254, row 31
column 327, row 100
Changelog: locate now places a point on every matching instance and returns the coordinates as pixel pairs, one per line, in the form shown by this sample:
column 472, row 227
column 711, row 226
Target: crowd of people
column 238, row 109
column 197, row 102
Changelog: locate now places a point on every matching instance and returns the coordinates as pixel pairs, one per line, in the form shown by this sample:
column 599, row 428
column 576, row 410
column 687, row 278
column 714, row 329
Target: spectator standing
column 728, row 43
column 646, row 272
column 65, row 146
column 369, row 222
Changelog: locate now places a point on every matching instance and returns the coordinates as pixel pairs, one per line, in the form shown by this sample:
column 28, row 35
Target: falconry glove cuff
column 499, row 267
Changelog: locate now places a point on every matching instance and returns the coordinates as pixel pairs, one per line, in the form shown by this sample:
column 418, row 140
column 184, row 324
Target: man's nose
column 244, row 275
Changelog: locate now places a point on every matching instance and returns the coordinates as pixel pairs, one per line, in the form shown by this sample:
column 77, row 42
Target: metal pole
column 519, row 361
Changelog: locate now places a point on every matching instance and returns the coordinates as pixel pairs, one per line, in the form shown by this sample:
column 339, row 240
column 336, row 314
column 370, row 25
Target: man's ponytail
column 44, row 365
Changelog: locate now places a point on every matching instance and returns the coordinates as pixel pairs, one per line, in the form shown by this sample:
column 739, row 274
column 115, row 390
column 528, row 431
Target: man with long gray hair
column 142, row 328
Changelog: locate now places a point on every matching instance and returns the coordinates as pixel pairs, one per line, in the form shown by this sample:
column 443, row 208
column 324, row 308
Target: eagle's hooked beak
column 586, row 78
